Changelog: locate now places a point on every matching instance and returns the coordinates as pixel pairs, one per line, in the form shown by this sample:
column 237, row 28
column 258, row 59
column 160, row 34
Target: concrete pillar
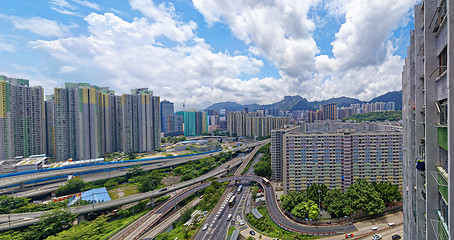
column 81, row 218
column 22, row 186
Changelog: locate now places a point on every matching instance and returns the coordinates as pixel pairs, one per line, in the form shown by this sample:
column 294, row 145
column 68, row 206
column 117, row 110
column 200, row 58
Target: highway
column 271, row 205
column 9, row 181
column 220, row 228
column 142, row 225
column 117, row 202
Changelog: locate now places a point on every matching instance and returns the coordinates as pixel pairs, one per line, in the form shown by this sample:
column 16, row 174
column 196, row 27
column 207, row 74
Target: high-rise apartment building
column 194, row 122
column 50, row 125
column 79, row 122
column 277, row 150
column 90, row 121
column 253, row 124
column 337, row 159
column 427, row 97
column 330, row 111
column 141, row 121
column 167, row 110
column 22, row 122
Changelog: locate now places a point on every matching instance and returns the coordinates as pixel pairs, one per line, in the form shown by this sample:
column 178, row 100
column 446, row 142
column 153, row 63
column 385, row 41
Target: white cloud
column 6, row 46
column 277, row 30
column 363, row 61
column 165, row 20
column 38, row 25
column 87, row 4
column 67, row 69
column 63, row 7
column 129, row 56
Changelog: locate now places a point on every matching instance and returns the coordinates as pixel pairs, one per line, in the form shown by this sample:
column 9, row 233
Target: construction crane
column 184, row 105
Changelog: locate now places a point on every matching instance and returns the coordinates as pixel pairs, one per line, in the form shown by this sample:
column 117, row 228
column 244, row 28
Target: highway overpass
column 22, row 179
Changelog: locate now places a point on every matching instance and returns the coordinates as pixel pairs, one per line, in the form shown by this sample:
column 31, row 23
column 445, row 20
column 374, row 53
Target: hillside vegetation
column 376, row 116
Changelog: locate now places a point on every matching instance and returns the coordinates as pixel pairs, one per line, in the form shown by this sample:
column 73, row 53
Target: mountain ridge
column 297, row 102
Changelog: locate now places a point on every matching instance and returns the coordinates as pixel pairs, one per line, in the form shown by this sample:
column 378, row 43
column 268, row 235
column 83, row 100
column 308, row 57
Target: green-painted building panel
column 443, row 137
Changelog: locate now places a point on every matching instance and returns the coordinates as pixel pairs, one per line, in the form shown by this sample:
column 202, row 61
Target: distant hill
column 293, row 103
column 340, row 101
column 231, row 106
column 395, row 97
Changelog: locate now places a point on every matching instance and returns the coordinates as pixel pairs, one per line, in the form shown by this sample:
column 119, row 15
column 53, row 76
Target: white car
column 376, row 237
column 241, row 222
column 391, row 224
column 205, row 227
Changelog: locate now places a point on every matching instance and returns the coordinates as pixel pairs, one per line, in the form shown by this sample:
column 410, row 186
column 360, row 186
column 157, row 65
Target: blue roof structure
column 96, row 195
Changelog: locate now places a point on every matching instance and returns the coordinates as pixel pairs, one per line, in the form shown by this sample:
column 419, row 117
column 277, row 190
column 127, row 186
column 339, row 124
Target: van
column 374, row 229
column 229, row 217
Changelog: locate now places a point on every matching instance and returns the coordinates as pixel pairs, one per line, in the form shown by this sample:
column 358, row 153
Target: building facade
column 194, row 122
column 253, row 124
column 277, row 150
column 427, row 122
column 337, row 159
column 22, row 121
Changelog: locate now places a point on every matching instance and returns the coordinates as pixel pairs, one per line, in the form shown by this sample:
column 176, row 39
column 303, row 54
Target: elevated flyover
column 22, row 179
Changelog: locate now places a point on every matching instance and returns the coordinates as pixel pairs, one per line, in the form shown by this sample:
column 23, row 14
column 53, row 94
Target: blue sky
column 210, row 51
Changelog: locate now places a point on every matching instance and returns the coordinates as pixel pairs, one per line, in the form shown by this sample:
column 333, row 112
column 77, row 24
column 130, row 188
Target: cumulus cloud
column 280, row 31
column 128, row 54
column 277, row 30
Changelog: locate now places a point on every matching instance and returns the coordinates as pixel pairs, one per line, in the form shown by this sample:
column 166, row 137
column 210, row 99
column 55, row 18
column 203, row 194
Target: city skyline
column 237, row 54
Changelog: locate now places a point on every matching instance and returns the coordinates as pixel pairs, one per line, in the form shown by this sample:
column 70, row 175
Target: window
column 442, row 61
column 443, row 108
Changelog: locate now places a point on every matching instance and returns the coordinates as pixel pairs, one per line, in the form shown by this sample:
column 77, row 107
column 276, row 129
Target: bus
column 232, row 201
column 240, row 188
column 266, row 182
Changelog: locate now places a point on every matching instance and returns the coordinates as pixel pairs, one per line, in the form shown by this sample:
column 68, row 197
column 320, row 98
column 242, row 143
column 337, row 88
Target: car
column 229, row 217
column 349, row 235
column 391, row 224
column 252, row 232
column 396, row 237
column 374, row 229
column 376, row 237
column 205, row 227
column 241, row 222
column 201, row 197
column 163, row 189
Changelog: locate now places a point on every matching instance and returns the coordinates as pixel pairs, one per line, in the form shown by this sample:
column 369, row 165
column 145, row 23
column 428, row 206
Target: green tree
column 301, row 210
column 312, row 192
column 51, row 223
column 336, row 203
column 314, row 212
column 131, row 155
column 388, row 191
column 292, row 199
column 363, row 197
column 148, row 182
column 9, row 203
column 74, row 185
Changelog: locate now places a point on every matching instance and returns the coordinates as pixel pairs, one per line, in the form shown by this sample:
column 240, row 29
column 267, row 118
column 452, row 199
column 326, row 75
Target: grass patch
column 231, row 229
column 267, row 227
column 123, row 191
